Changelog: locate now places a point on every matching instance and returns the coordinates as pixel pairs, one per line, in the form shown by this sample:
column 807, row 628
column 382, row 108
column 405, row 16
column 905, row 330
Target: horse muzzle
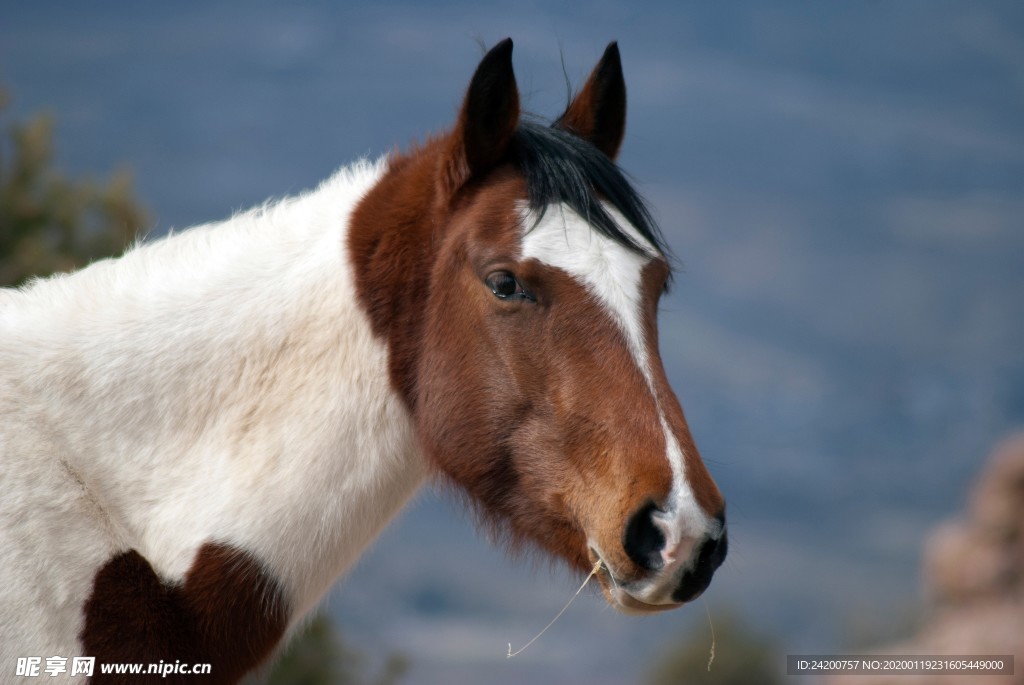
column 673, row 574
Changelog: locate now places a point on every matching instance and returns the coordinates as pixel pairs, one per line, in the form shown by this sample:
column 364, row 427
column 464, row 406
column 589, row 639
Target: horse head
column 519, row 298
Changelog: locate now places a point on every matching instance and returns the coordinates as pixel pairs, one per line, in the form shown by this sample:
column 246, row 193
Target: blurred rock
column 974, row 580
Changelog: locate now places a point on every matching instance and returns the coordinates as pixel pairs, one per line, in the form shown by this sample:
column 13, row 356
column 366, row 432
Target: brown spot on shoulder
column 228, row 612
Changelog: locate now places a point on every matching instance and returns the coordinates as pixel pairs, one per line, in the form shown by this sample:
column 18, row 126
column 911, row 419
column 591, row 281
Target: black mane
column 562, row 168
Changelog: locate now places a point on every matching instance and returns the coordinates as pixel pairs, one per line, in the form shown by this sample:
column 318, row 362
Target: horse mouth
column 616, row 594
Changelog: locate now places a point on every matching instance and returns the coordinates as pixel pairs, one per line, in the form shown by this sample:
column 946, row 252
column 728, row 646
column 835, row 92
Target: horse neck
column 223, row 384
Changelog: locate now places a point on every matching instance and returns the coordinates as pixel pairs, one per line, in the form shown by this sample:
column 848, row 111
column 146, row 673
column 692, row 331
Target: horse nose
column 682, row 573
column 643, row 540
column 696, row 579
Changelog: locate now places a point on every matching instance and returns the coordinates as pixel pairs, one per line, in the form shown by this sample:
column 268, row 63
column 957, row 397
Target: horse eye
column 505, row 286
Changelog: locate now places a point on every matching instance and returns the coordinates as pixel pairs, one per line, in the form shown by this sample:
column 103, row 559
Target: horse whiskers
column 586, row 580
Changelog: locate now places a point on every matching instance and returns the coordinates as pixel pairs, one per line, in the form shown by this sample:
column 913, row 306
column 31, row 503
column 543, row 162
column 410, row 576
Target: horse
column 200, row 436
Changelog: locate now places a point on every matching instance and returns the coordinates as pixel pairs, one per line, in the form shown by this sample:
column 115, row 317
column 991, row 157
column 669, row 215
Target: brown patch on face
column 535, row 409
column 521, row 404
column 228, row 612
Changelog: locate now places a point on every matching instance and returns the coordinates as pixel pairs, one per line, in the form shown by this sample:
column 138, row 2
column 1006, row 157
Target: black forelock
column 560, row 167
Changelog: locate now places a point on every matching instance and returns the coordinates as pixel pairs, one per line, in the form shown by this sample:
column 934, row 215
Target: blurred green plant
column 741, row 656
column 50, row 223
column 318, row 656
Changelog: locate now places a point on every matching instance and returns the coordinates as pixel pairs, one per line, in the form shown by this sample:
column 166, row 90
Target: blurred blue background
column 842, row 183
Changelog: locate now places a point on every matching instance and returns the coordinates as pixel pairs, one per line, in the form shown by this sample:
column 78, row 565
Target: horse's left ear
column 488, row 120
column 598, row 112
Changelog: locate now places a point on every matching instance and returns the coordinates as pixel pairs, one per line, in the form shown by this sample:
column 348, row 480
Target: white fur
column 612, row 273
column 220, row 384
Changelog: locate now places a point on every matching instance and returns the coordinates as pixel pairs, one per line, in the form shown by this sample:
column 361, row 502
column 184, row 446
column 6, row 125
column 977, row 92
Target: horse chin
column 626, row 603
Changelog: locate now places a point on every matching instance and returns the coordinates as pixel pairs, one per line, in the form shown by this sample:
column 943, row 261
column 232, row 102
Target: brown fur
column 227, row 612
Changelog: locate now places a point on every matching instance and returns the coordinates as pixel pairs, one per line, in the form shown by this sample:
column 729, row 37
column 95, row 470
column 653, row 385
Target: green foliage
column 742, row 657
column 317, row 656
column 49, row 223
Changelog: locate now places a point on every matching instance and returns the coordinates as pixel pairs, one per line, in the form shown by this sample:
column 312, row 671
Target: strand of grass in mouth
column 593, row 572
column 711, row 656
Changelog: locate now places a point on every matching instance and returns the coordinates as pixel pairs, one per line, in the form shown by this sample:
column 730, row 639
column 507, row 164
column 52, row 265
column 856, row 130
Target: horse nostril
column 642, row 540
column 696, row 580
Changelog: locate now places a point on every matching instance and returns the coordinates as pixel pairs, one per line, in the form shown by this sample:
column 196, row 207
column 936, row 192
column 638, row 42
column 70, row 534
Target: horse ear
column 489, row 117
column 598, row 112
